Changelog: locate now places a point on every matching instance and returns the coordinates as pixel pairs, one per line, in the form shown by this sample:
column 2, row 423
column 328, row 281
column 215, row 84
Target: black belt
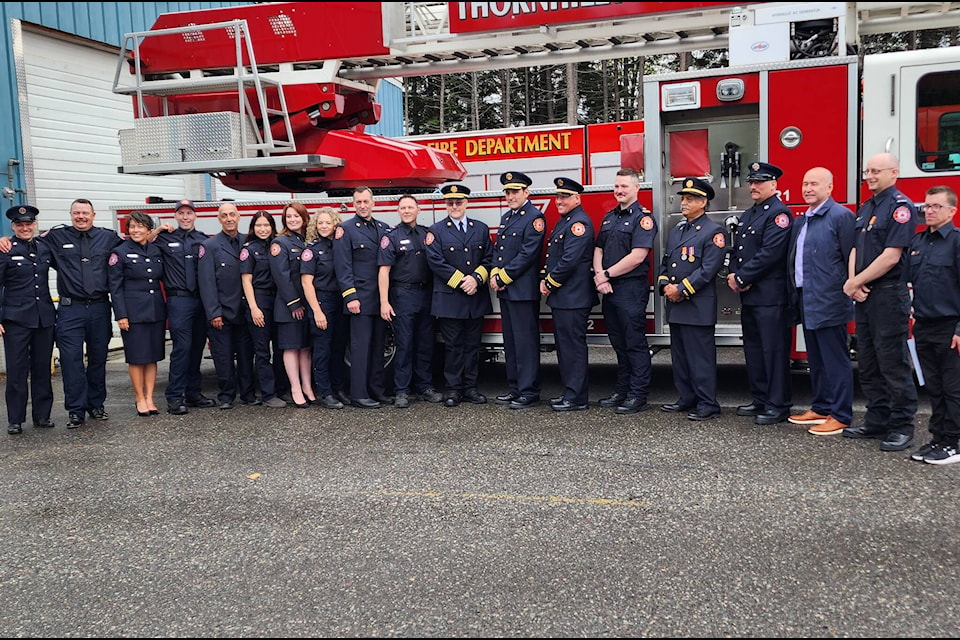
column 409, row 285
column 88, row 300
column 265, row 292
column 183, row 293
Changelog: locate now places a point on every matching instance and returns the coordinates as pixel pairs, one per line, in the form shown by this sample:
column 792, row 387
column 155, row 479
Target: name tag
column 68, row 246
column 173, row 244
column 17, row 258
column 404, row 242
column 132, row 255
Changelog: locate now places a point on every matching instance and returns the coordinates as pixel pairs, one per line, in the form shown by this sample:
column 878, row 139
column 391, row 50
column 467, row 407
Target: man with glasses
column 934, row 269
column 459, row 253
column 884, row 228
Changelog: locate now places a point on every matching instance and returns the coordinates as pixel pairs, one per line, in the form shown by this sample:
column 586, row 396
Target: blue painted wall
column 106, row 22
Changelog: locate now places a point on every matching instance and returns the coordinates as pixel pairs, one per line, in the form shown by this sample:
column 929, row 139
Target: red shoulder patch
column 578, row 229
column 339, row 233
column 782, row 221
column 114, row 259
column 902, row 215
column 646, row 222
column 720, row 240
column 275, row 249
column 244, row 254
column 538, row 225
column 384, row 242
column 306, row 256
column 429, row 239
column 201, row 252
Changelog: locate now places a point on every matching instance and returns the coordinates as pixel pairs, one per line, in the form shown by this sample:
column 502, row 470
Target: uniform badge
column 538, row 225
column 578, row 229
column 306, row 256
column 720, row 240
column 244, row 254
column 902, row 215
column 429, row 239
column 275, row 249
column 782, row 221
column 201, row 252
column 683, row 253
column 339, row 233
column 646, row 222
column 114, row 259
column 690, row 256
column 384, row 242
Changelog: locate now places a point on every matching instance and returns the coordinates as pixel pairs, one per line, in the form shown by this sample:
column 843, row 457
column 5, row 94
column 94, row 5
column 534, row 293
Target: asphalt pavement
column 474, row 521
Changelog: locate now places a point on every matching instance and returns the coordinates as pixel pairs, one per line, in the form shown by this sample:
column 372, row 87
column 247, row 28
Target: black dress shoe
column 897, row 441
column 201, row 402
column 302, row 405
column 142, row 414
column 99, row 414
column 342, row 397
column 250, row 402
column 14, row 428
column 365, row 403
column 771, row 416
column 557, row 400
column 750, row 410
column 154, row 412
column 676, row 407
column 430, row 395
column 44, row 424
column 703, row 414
column 524, row 402
column 474, row 396
column 76, row 419
column 401, row 401
column 177, row 409
column 613, row 400
column 507, row 398
column 330, row 402
column 226, row 405
column 862, row 431
column 451, row 399
column 631, row 405
column 564, row 405
column 384, row 399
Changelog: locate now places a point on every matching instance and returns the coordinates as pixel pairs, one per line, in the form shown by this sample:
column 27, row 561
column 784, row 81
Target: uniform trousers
column 766, row 350
column 883, row 360
column 625, row 314
column 570, row 337
column 28, row 352
column 521, row 346
column 413, row 336
column 941, row 372
column 232, row 351
column 694, row 358
column 367, row 338
column 831, row 372
column 188, row 335
column 329, row 345
column 84, row 387
column 264, row 338
column 461, row 340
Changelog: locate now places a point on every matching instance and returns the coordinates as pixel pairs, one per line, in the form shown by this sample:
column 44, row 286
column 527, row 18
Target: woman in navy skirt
column 327, row 322
column 134, row 271
column 259, row 290
column 289, row 309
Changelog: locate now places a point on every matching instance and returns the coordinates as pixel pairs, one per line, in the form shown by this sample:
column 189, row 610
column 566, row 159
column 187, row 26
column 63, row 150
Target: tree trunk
column 475, row 101
column 572, row 92
column 505, row 96
column 442, row 90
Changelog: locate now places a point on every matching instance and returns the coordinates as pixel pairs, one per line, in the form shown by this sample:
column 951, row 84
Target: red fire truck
column 250, row 95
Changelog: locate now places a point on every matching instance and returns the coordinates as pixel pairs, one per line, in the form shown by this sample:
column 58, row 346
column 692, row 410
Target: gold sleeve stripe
column 504, row 278
column 663, row 279
column 688, row 286
column 482, row 272
column 554, row 282
column 293, row 302
column 349, row 292
column 455, row 279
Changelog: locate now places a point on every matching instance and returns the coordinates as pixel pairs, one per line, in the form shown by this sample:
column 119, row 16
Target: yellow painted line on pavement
column 512, row 497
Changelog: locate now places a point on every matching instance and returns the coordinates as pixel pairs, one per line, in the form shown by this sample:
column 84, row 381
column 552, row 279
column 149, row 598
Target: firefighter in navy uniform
column 568, row 286
column 231, row 344
column 188, row 326
column 27, row 320
column 688, row 280
column 885, row 227
column 515, row 278
column 460, row 259
column 356, row 247
column 621, row 266
column 405, row 286
column 758, row 272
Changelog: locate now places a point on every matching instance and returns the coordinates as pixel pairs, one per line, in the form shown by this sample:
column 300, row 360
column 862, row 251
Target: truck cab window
column 938, row 121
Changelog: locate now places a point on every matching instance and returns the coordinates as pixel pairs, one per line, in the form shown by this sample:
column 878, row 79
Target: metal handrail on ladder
column 198, row 83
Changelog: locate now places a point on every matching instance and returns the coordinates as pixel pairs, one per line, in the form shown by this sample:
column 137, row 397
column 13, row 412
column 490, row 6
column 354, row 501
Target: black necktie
column 86, row 266
column 235, row 243
column 189, row 265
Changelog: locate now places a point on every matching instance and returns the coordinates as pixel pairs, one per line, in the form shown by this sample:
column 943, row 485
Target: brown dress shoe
column 830, row 427
column 808, row 418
